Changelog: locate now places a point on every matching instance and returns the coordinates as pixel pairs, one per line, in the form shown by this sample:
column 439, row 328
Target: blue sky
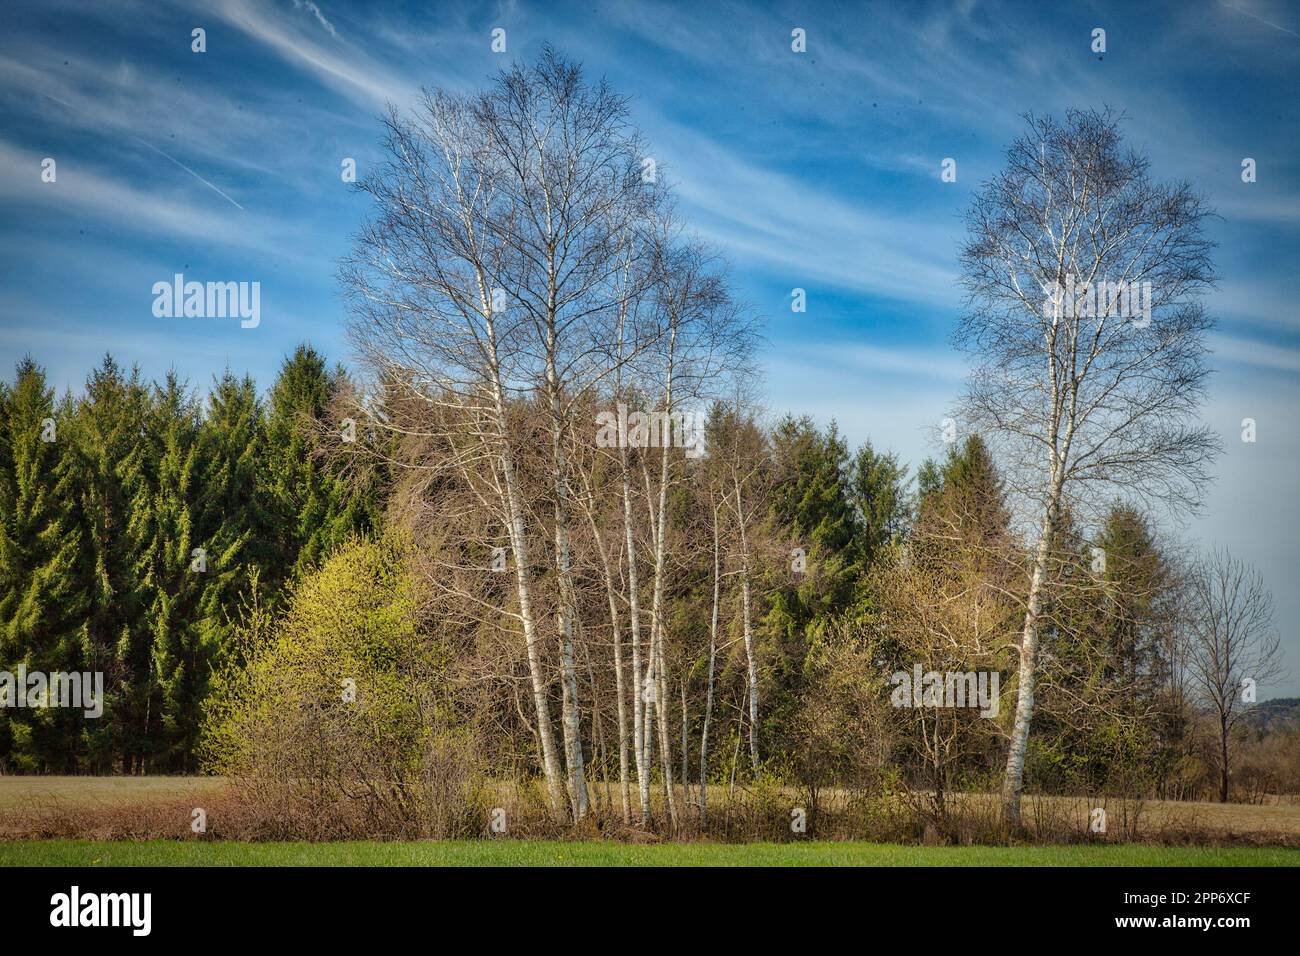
column 818, row 170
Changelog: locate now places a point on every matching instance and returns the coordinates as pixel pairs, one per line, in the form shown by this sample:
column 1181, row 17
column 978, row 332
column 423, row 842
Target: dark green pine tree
column 970, row 479
column 879, row 493
column 812, row 506
column 234, row 525
column 1071, row 748
column 1139, row 586
column 1143, row 623
column 43, row 599
column 961, row 502
column 929, row 480
column 313, row 509
column 1107, row 619
column 182, row 657
column 112, row 498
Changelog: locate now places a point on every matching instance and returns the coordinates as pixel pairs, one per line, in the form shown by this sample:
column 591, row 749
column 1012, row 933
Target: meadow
column 508, row 852
column 50, row 807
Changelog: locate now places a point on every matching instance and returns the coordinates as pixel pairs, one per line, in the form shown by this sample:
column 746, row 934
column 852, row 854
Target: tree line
column 443, row 566
column 136, row 520
column 803, row 574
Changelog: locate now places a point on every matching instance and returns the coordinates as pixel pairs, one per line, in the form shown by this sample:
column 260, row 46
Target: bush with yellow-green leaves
column 339, row 721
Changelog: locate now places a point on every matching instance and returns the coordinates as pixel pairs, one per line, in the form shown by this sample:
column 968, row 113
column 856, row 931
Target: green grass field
column 548, row 853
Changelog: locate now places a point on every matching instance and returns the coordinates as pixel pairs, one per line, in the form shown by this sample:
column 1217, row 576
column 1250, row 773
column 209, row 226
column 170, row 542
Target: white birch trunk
column 708, row 694
column 656, row 614
column 639, row 704
column 563, row 568
column 523, row 586
column 747, row 630
column 523, row 574
column 620, row 690
column 1014, row 780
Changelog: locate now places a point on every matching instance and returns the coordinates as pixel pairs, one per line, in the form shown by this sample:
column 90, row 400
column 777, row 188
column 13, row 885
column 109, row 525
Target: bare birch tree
column 1231, row 645
column 715, row 507
column 591, row 507
column 746, row 498
column 1087, row 340
column 490, row 276
column 573, row 171
column 519, row 269
column 421, row 284
column 706, row 344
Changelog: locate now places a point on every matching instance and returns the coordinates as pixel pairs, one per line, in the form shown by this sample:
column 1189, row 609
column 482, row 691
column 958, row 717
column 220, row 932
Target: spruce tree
column 1139, row 583
column 43, row 599
column 112, row 500
column 234, row 526
column 181, row 659
column 313, row 511
column 962, row 502
column 811, row 507
column 878, row 489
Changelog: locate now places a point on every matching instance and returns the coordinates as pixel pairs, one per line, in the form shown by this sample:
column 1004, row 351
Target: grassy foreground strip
column 557, row 853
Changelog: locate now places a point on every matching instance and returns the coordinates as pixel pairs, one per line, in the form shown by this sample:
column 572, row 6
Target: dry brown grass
column 17, row 793
column 1278, row 820
column 116, row 808
column 112, row 808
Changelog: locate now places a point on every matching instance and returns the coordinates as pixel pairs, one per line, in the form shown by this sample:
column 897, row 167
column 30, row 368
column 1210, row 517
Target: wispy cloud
column 121, row 100
column 315, row 11
column 1254, row 353
column 86, row 191
column 937, row 364
column 342, row 67
column 809, row 234
column 1254, row 16
column 1273, row 305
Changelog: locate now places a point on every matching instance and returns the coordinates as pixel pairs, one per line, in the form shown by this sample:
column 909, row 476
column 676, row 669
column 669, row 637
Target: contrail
column 191, row 172
column 1259, row 18
column 159, row 152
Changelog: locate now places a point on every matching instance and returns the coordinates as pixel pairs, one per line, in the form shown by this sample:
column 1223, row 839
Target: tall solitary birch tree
column 1087, row 341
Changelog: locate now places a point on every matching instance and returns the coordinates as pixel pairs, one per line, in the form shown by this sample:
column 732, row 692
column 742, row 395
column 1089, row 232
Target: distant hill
column 1273, row 715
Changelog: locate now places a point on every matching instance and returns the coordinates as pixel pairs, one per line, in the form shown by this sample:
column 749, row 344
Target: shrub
column 339, row 723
